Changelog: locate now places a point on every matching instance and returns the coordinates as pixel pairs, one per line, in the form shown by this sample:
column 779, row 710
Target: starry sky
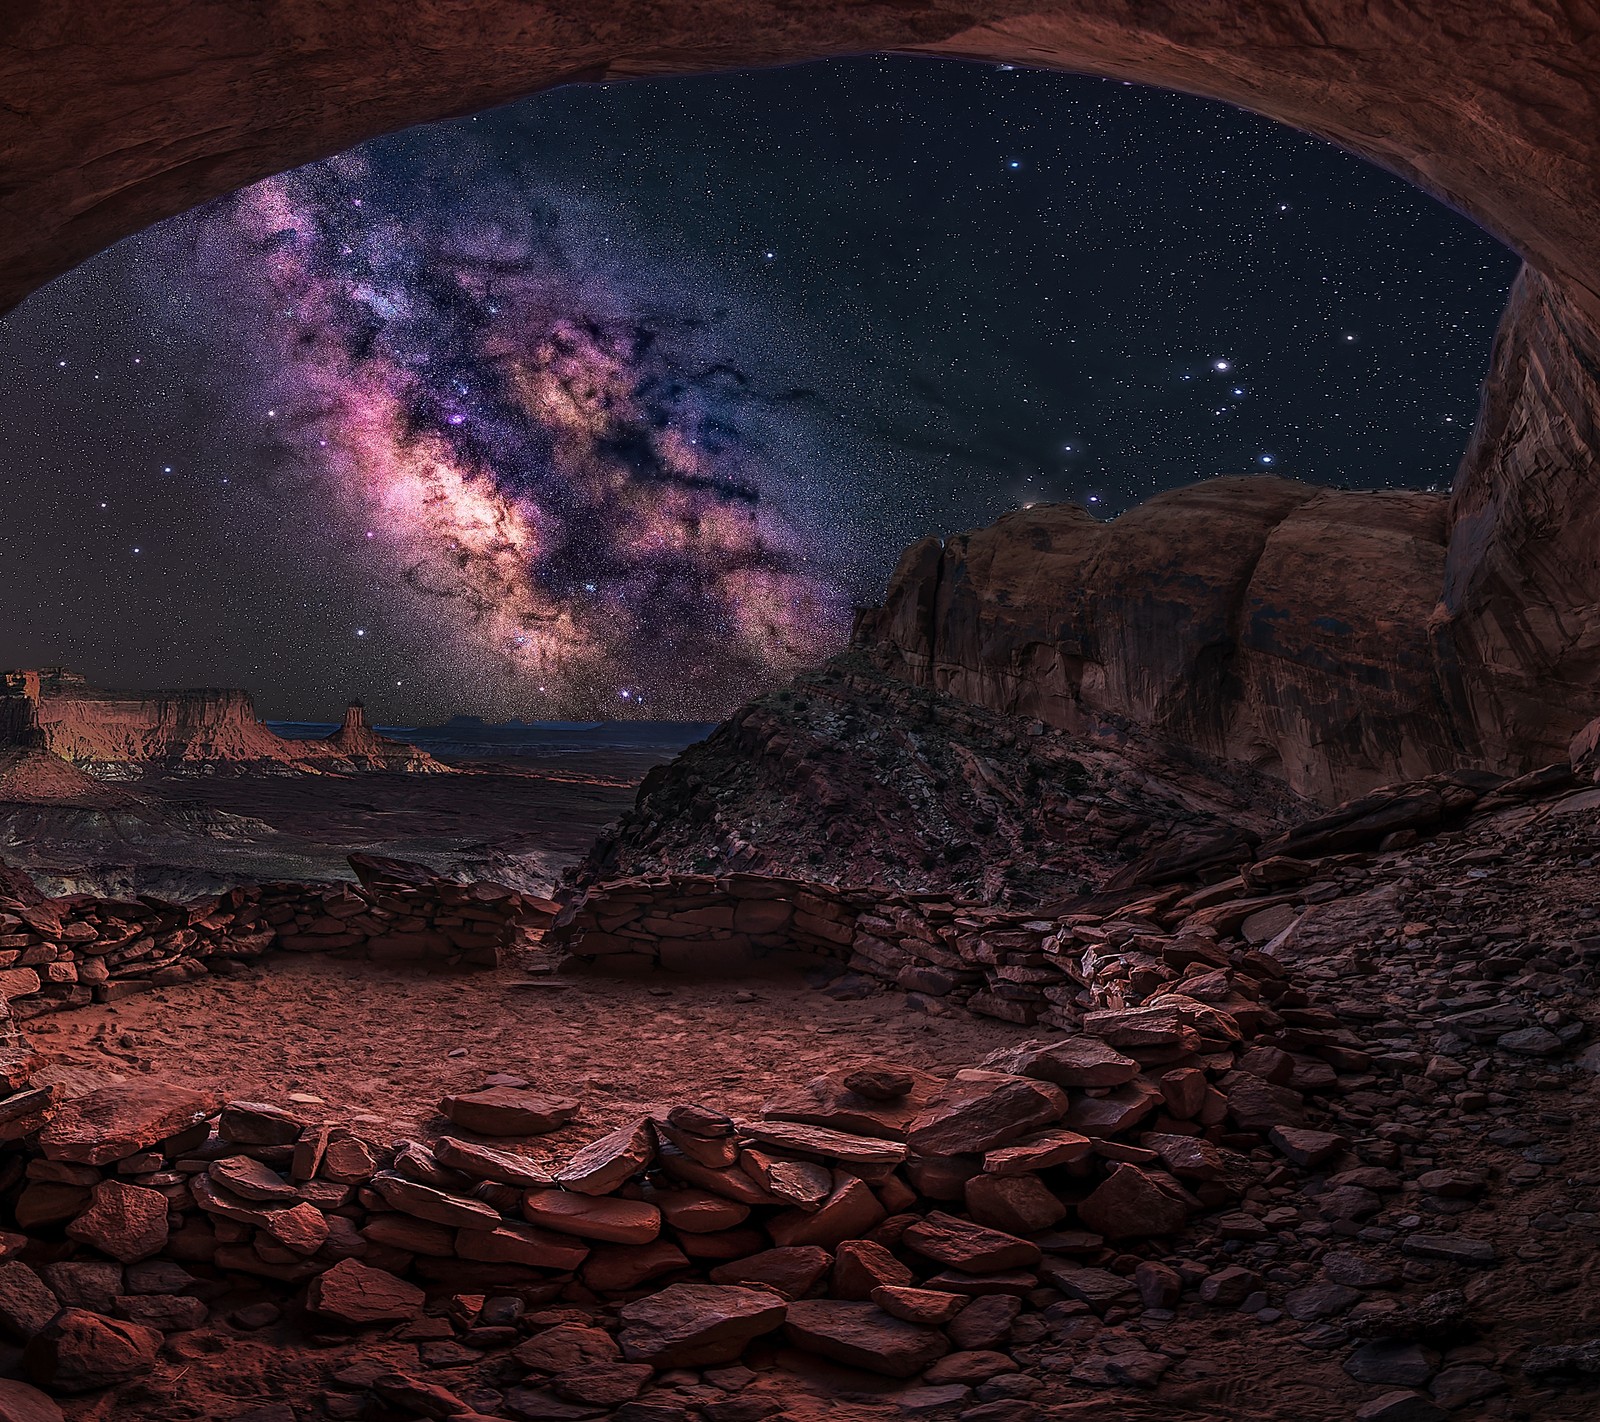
column 613, row 402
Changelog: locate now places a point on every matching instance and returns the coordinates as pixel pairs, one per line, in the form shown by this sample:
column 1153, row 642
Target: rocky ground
column 625, row 1046
column 852, row 776
column 1377, row 1204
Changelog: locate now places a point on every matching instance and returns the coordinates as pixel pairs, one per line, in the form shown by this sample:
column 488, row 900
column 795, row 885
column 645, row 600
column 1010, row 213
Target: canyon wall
column 1341, row 640
column 204, row 729
column 93, row 726
column 1257, row 619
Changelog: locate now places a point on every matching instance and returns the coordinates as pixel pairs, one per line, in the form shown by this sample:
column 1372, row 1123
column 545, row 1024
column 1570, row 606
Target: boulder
column 509, row 1111
column 79, row 1351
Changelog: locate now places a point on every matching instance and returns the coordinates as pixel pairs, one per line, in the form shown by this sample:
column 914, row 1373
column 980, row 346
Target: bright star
column 1219, row 365
column 1266, row 459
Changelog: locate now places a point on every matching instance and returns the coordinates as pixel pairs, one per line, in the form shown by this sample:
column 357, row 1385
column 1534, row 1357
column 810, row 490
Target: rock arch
column 112, row 117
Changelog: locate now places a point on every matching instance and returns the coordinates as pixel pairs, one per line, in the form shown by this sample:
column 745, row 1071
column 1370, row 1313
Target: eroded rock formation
column 116, row 734
column 1256, row 619
column 1340, row 640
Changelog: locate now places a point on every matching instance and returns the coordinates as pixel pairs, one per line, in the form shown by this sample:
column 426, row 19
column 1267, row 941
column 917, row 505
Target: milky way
column 565, row 480
column 614, row 401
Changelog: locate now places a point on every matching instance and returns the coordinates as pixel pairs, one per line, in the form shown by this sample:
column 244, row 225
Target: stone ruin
column 1210, row 1128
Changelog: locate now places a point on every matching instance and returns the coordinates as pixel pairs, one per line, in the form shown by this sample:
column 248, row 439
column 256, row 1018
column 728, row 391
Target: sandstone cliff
column 116, row 734
column 1255, row 619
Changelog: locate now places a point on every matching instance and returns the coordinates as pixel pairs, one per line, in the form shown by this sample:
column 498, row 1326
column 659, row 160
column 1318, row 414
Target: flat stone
column 984, row 1110
column 1393, row 1362
column 486, row 1163
column 516, row 1242
column 1358, row 1272
column 252, row 1180
column 592, row 1217
column 258, row 1123
column 118, row 1121
column 862, row 1335
column 931, row 1307
column 1456, row 1387
column 1129, row 1204
column 509, row 1111
column 603, row 1384
column 128, row 1222
column 792, row 1272
column 79, row 1351
column 1072, row 1061
column 1041, row 1152
column 357, row 1294
column 1099, row 1288
column 1311, row 1302
column 605, row 1164
column 970, row 1367
column 1143, row 1028
column 831, row 1145
column 427, row 1203
column 696, row 1325
column 567, row 1346
column 1118, row 1111
column 969, row 1247
column 1456, row 1248
column 1530, row 1042
column 1309, row 1149
column 831, row 1101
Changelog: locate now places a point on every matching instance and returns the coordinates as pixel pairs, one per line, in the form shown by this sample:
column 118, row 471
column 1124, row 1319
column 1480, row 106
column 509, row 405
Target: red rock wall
column 159, row 727
column 1253, row 618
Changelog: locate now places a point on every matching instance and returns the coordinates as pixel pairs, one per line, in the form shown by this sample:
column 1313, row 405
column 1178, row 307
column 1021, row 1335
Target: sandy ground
column 388, row 1044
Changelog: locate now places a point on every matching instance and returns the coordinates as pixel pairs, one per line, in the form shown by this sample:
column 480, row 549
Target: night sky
column 614, row 401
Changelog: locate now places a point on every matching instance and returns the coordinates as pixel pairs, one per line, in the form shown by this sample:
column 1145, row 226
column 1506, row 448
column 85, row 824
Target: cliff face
column 171, row 728
column 1519, row 612
column 206, row 730
column 1256, row 619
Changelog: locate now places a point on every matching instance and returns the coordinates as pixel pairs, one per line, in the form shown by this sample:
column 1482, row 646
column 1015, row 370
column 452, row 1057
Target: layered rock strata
column 115, row 734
